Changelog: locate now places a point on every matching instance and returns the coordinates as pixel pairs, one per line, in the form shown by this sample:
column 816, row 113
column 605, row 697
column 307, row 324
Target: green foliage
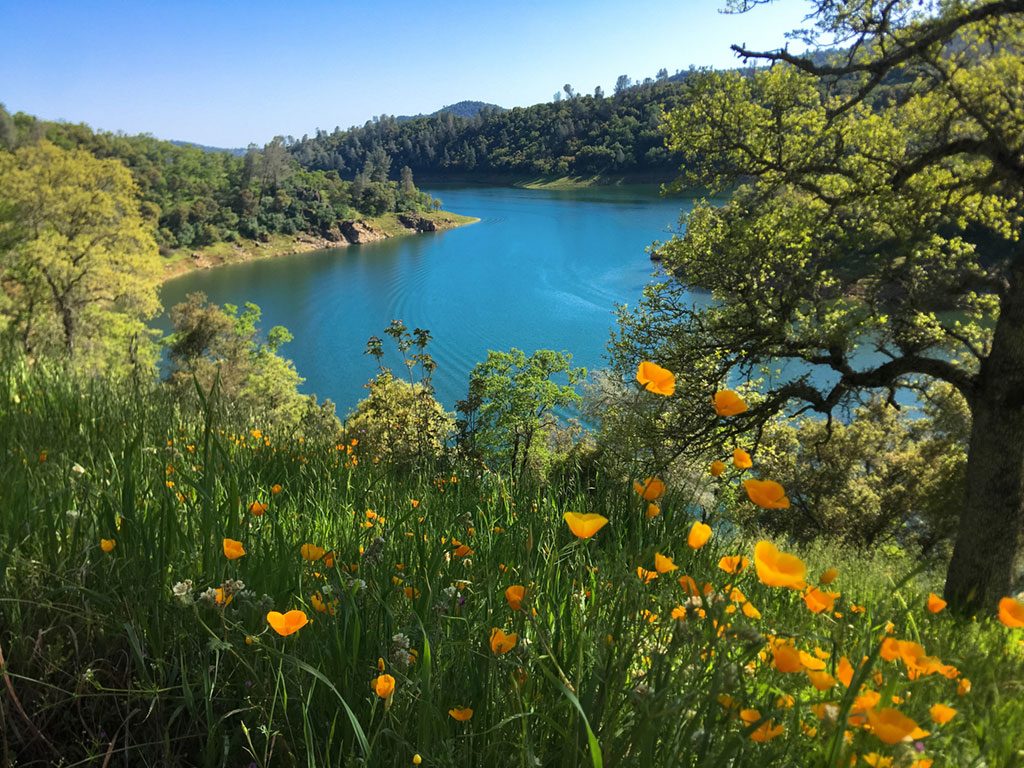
column 882, row 477
column 212, row 346
column 78, row 265
column 578, row 136
column 90, row 637
column 513, row 403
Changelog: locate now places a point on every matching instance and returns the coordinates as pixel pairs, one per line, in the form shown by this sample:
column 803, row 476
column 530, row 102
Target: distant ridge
column 237, row 151
column 461, row 109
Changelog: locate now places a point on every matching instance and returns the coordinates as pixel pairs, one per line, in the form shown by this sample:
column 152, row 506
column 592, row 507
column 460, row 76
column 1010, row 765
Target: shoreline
column 185, row 261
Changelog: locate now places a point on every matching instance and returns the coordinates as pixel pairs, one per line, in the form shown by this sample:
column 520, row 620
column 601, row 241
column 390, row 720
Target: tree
column 874, row 234
column 622, row 83
column 512, row 400
column 662, row 74
column 570, row 93
column 80, row 268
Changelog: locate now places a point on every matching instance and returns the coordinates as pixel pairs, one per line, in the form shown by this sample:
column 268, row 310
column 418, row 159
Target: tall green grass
column 103, row 665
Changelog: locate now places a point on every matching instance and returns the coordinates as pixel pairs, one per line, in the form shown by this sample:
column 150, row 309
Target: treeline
column 196, row 198
column 577, row 135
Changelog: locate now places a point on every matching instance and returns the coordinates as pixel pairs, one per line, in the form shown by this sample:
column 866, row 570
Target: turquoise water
column 542, row 269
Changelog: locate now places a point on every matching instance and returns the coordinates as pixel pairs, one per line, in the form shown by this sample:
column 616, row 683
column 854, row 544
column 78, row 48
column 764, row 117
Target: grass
column 104, row 665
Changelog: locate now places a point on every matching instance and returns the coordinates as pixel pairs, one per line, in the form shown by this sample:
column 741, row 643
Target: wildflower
column 941, row 713
column 78, row 469
column 778, row 569
column 416, row 759
column 820, row 679
column 764, row 732
column 741, row 459
column 656, row 379
column 258, row 508
column 1011, row 612
column 583, row 526
column 663, row 564
column 786, row 658
column 287, row 623
column 222, row 596
column 687, row 583
column 463, row 551
column 329, row 560
column 963, row 686
column 828, row 576
column 679, row 613
column 733, row 563
column 107, row 545
column 462, row 714
column 384, row 686
column 502, row 643
column 877, row 761
column 415, row 503
column 653, row 510
column 717, row 468
column 514, row 596
column 311, row 552
column 890, row 725
column 766, row 494
column 844, row 670
column 651, row 489
column 699, row 535
column 182, row 592
column 750, row 611
column 233, row 549
column 818, row 601
column 275, row 489
column 728, row 403
column 935, row 603
column 644, row 575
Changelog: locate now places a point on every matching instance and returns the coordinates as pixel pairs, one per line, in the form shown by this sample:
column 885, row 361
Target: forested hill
column 195, row 198
column 576, row 135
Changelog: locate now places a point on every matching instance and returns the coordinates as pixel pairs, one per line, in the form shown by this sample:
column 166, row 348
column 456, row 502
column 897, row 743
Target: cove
column 541, row 269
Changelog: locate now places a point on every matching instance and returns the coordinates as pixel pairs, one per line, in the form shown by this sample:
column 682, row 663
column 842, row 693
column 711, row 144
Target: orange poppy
column 514, row 596
column 583, row 526
column 462, row 714
column 766, row 494
column 311, row 552
column 820, row 679
column 767, row 731
column 728, row 403
column 890, row 725
column 741, row 459
column 233, row 549
column 699, row 535
column 656, row 379
column 786, row 657
column 733, row 563
column 259, row 508
column 287, row 623
column 778, row 569
column 502, row 643
column 644, row 575
column 818, row 601
column 828, row 576
column 650, row 489
column 1011, row 612
column 941, row 713
column 935, row 603
column 275, row 489
column 653, row 510
column 663, row 564
column 717, row 468
column 384, row 686
column 107, row 545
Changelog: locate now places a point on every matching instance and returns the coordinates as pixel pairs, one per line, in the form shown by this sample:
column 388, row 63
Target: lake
column 542, row 269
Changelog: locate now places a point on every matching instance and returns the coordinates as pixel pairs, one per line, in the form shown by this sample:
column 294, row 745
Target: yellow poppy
column 663, row 564
column 311, row 552
column 941, row 713
column 766, row 494
column 699, row 535
column 502, row 643
column 583, row 526
column 778, row 569
column 876, row 760
column 733, row 563
column 741, row 459
column 717, row 468
column 287, row 623
column 656, row 379
column 462, row 714
column 107, row 545
column 514, row 596
column 384, row 686
column 728, row 403
column 1011, row 612
column 233, row 549
column 935, row 603
column 890, row 725
column 650, row 489
column 750, row 611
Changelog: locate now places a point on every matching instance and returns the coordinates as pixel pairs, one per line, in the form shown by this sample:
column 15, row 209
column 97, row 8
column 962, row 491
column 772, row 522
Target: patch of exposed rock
column 359, row 231
column 417, row 222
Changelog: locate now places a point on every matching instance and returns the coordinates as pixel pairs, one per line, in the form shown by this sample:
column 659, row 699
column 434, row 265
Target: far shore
column 184, row 261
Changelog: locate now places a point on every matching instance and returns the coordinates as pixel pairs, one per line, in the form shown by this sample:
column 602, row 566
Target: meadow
column 181, row 587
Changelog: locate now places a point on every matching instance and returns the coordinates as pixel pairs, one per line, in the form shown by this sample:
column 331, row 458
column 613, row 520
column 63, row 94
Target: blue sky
column 226, row 73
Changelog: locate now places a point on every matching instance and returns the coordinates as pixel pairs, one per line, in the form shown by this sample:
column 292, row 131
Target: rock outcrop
column 417, row 222
column 359, row 231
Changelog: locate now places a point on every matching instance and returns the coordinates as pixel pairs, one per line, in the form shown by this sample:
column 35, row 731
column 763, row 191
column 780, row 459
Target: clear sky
column 227, row 73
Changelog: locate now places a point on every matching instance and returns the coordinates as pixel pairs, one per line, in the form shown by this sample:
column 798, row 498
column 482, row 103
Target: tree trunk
column 990, row 540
